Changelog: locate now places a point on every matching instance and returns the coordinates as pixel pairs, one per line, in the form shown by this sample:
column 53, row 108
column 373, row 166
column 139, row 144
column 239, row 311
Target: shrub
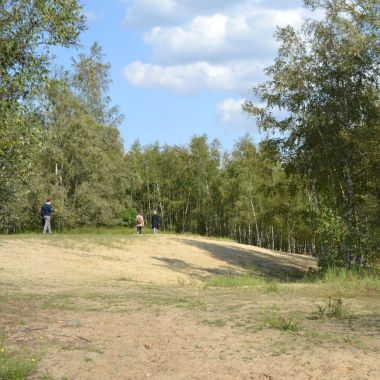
column 129, row 216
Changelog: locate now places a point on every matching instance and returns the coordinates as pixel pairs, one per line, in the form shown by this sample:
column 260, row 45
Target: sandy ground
column 149, row 259
column 134, row 308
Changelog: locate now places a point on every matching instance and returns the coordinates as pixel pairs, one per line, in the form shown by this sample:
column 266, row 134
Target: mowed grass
column 334, row 308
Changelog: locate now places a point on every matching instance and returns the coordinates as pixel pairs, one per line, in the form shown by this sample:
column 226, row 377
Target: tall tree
column 28, row 29
column 326, row 77
column 91, row 81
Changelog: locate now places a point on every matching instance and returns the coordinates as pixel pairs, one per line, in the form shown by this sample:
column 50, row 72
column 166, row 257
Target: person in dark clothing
column 155, row 222
column 46, row 212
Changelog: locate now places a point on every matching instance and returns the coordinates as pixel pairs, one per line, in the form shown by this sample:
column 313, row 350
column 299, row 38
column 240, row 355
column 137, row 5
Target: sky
column 181, row 68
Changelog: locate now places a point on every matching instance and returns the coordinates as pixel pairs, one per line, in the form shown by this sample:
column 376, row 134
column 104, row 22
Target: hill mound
column 163, row 259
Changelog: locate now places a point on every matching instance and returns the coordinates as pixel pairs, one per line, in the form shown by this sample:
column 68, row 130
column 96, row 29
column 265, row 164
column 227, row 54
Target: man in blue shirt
column 46, row 212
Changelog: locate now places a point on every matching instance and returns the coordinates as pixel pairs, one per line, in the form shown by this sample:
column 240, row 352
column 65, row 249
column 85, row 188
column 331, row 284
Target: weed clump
column 290, row 323
column 333, row 308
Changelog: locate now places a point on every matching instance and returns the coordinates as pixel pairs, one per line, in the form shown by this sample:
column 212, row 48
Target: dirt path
column 109, row 308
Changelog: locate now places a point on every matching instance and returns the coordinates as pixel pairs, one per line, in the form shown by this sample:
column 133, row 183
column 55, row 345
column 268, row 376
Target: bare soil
column 123, row 307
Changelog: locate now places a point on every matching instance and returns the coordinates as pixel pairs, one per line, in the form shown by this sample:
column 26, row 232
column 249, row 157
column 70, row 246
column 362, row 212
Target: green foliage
column 20, row 141
column 332, row 231
column 28, row 28
column 339, row 281
column 129, row 216
column 91, row 83
column 245, row 195
column 85, row 169
column 326, row 78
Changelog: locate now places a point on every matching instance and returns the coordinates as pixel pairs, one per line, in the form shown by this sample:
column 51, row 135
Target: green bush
column 129, row 216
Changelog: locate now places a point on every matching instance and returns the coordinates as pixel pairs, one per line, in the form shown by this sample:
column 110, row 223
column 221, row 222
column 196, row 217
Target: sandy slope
column 165, row 259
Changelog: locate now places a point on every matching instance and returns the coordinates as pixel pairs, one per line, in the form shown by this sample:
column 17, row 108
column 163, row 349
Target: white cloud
column 229, row 113
column 200, row 40
column 207, row 45
column 244, row 33
column 148, row 13
column 189, row 78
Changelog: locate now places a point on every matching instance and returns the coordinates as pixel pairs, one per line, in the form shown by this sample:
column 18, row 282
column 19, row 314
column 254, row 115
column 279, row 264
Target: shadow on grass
column 198, row 273
column 285, row 267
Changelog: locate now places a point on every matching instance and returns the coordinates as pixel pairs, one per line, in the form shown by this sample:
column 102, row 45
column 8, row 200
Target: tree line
column 314, row 188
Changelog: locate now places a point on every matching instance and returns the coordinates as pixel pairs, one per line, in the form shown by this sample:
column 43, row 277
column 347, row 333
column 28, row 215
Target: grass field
column 115, row 306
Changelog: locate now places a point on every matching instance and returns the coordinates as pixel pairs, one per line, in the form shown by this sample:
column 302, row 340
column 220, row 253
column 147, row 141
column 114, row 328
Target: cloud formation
column 229, row 113
column 192, row 77
column 207, row 45
column 220, row 37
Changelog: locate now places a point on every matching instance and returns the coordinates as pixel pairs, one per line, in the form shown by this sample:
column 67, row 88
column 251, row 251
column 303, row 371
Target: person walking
column 155, row 222
column 139, row 223
column 46, row 212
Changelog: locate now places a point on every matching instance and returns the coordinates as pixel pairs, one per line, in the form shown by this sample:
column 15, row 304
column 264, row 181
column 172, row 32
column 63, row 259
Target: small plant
column 320, row 313
column 333, row 308
column 283, row 323
column 15, row 366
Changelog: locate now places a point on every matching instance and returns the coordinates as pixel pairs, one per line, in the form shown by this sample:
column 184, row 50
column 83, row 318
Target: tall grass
column 339, row 282
column 15, row 366
column 346, row 279
column 334, row 281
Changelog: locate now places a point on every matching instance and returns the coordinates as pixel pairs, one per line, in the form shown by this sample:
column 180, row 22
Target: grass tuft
column 284, row 323
column 333, row 308
column 16, row 366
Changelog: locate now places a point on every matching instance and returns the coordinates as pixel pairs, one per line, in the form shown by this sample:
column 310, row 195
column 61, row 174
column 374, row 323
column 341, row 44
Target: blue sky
column 183, row 67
